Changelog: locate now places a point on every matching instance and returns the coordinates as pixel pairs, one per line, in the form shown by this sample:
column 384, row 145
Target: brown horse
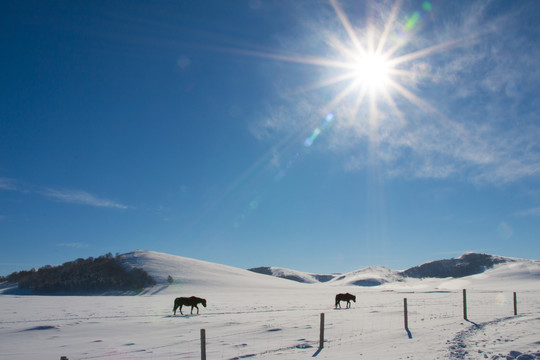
column 345, row 297
column 188, row 301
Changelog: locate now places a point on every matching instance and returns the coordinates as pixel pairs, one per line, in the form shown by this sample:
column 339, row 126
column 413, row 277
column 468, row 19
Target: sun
column 370, row 68
column 372, row 71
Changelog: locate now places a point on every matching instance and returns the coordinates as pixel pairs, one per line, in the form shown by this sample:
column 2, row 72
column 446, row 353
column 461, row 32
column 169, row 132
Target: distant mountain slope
column 294, row 275
column 465, row 265
column 370, row 276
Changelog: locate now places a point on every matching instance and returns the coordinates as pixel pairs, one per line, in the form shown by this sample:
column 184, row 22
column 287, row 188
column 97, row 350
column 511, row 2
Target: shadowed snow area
column 250, row 315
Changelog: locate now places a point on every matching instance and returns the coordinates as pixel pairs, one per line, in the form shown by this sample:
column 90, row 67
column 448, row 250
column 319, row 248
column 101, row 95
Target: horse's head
column 203, row 302
column 354, row 298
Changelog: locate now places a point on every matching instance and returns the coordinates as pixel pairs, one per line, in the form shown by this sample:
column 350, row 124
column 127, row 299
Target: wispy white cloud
column 529, row 212
column 76, row 245
column 80, row 197
column 7, row 184
column 68, row 196
column 481, row 127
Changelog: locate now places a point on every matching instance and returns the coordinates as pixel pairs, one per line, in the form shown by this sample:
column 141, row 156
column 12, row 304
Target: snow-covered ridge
column 449, row 272
column 467, row 265
column 191, row 272
column 370, row 276
column 178, row 274
column 187, row 272
column 294, row 275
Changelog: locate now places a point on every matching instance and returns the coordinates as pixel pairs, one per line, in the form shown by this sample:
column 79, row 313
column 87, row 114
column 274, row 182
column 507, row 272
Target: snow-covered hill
column 370, row 276
column 470, row 267
column 467, row 264
column 294, row 275
column 189, row 273
column 480, row 270
column 172, row 273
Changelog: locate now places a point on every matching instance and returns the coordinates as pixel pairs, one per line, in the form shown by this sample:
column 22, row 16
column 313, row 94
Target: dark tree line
column 92, row 275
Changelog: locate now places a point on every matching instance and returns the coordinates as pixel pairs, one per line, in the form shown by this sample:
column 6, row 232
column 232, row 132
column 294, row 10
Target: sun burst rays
column 370, row 63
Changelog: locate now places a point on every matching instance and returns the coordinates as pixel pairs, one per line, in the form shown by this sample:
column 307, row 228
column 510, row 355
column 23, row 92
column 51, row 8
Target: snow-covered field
column 251, row 315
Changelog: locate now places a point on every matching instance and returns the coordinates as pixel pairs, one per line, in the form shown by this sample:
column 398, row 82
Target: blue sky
column 322, row 136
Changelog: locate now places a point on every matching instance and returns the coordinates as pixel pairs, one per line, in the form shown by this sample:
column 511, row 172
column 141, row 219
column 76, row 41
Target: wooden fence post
column 405, row 313
column 321, row 335
column 515, row 303
column 465, row 304
column 203, row 344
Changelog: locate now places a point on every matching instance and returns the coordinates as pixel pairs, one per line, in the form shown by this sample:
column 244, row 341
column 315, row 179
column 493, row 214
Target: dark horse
column 188, row 301
column 345, row 297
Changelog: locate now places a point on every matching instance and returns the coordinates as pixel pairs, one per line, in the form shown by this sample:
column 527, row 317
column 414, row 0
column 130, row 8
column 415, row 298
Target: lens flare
column 411, row 23
column 329, row 117
column 327, row 120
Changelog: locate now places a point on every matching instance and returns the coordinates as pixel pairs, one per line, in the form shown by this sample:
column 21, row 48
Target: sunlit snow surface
column 258, row 316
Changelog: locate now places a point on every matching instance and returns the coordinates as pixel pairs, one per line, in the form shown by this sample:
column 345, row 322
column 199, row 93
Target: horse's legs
column 197, row 309
column 181, row 309
column 174, row 308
